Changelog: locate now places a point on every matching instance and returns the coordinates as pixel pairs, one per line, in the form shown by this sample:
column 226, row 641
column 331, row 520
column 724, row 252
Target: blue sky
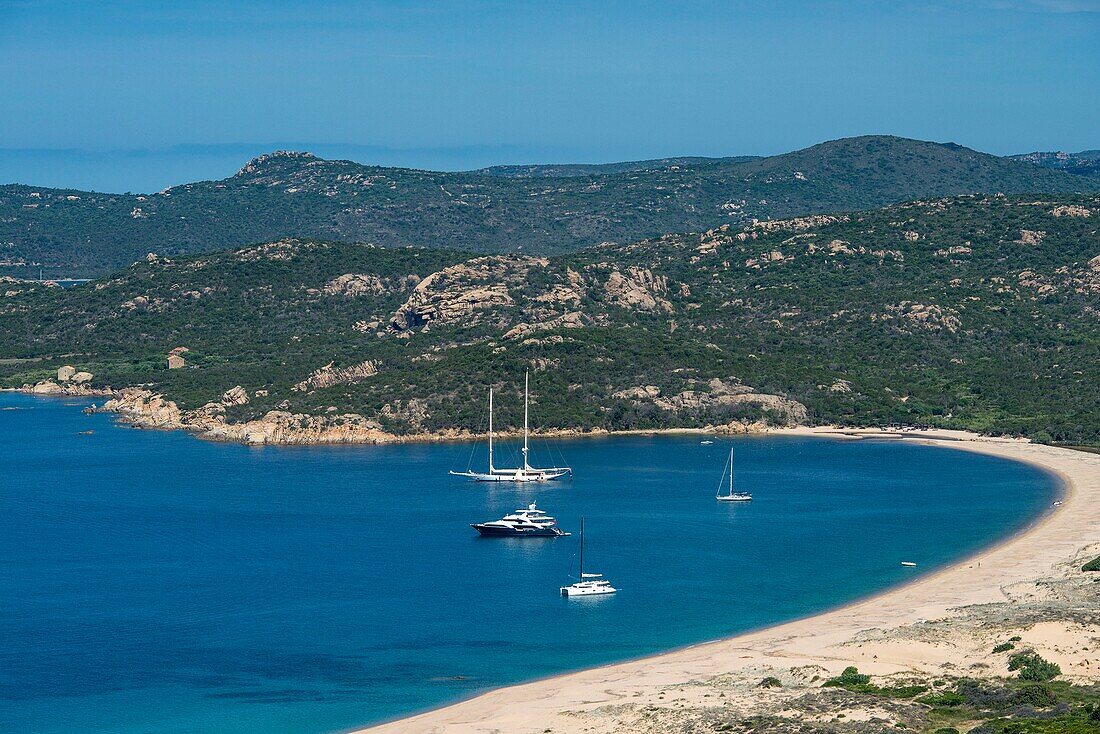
column 135, row 96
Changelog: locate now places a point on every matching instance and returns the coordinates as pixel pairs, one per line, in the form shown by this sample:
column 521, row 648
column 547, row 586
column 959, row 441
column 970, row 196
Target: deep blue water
column 152, row 582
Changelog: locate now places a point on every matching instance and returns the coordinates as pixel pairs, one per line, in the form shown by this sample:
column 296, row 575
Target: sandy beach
column 944, row 623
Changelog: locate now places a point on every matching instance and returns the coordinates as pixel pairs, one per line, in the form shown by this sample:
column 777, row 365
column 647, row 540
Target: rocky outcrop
column 145, row 409
column 69, row 388
column 352, row 285
column 1031, row 237
column 464, row 293
column 571, row 320
column 922, row 316
column 280, row 427
column 638, row 289
column 1070, row 211
column 64, row 374
column 235, row 396
column 328, row 375
column 718, row 393
column 643, row 392
column 953, row 251
column 797, row 224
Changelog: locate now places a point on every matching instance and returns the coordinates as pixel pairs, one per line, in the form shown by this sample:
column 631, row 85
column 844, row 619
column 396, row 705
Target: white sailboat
column 589, row 584
column 731, row 496
column 525, row 473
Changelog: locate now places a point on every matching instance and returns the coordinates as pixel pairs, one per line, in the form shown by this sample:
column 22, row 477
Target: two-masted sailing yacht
column 730, row 495
column 525, row 473
column 588, row 584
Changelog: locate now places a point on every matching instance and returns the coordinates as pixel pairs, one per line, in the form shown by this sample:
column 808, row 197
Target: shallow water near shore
column 157, row 583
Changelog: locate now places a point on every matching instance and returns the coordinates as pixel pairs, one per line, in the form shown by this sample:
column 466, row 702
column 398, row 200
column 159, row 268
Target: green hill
column 74, row 233
column 976, row 312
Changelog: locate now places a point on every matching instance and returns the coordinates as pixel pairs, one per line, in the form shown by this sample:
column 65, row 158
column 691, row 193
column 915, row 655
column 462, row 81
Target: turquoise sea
column 153, row 582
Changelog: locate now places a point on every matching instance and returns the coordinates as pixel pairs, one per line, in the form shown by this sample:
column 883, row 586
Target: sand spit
column 943, row 624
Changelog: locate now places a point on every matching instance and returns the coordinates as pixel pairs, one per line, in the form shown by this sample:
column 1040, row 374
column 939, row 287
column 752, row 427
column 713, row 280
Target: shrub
column 901, row 691
column 946, row 698
column 984, row 696
column 1036, row 696
column 850, row 677
column 1032, row 667
column 1004, row 647
column 771, row 682
column 946, row 730
column 1093, row 565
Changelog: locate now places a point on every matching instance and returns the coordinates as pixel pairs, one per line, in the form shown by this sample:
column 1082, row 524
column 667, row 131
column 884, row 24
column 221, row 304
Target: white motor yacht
column 529, row 523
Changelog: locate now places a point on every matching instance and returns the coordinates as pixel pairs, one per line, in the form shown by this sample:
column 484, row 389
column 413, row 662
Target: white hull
column 533, row 475
column 735, row 498
column 588, row 588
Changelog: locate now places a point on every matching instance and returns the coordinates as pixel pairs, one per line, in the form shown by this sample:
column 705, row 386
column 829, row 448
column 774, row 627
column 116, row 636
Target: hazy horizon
column 122, row 95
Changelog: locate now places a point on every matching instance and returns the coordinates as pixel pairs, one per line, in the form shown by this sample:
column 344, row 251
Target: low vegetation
column 852, row 680
column 972, row 312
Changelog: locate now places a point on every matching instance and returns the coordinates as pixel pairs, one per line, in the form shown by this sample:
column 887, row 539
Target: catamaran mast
column 526, row 381
column 581, row 576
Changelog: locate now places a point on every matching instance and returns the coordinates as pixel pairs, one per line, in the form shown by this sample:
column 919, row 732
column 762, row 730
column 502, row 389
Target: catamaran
column 589, row 584
column 525, row 473
column 731, row 496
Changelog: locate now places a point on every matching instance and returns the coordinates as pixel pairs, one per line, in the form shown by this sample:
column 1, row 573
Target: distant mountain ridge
column 1084, row 163
column 596, row 169
column 294, row 194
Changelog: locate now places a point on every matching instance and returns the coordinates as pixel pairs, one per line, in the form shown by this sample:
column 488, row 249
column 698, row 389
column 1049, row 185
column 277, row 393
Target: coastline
column 142, row 408
column 930, row 625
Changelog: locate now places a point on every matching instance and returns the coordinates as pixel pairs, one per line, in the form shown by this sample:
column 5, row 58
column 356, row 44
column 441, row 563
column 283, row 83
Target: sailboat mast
column 730, row 472
column 581, row 576
column 490, row 430
column 526, row 382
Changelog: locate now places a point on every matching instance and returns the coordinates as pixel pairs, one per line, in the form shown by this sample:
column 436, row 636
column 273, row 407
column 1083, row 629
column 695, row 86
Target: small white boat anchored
column 730, row 495
column 706, row 443
column 908, row 564
column 525, row 473
column 589, row 584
